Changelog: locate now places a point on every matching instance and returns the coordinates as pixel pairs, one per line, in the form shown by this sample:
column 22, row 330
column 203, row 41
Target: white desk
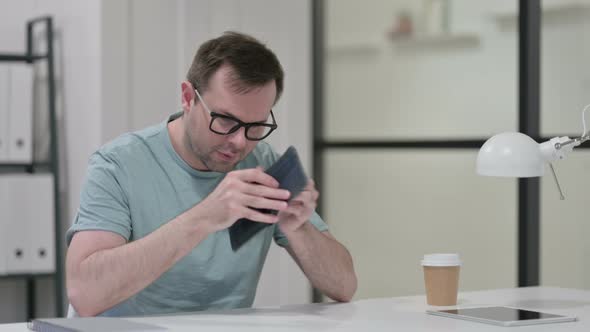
column 387, row 314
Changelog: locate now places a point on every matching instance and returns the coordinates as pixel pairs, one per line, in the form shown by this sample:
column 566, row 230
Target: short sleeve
column 315, row 220
column 103, row 201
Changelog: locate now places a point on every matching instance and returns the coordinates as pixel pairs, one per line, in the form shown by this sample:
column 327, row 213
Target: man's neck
column 177, row 137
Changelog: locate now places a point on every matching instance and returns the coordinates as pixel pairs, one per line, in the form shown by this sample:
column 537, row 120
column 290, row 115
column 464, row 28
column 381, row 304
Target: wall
column 416, row 88
column 79, row 105
column 565, row 88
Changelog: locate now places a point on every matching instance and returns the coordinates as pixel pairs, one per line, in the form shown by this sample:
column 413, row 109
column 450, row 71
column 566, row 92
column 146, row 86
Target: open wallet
column 289, row 172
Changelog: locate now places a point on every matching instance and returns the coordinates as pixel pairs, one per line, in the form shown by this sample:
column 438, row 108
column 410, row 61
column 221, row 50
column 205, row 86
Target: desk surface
column 401, row 313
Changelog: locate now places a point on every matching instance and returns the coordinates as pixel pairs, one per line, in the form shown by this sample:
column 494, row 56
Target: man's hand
column 237, row 195
column 299, row 210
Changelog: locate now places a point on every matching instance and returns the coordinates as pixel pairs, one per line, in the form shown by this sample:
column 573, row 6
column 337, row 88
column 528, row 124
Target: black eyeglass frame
column 239, row 123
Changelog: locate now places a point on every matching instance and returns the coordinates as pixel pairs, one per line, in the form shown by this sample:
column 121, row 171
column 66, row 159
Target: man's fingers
column 295, row 209
column 315, row 195
column 265, row 191
column 303, row 197
column 256, row 175
column 264, row 203
column 310, row 186
column 254, row 215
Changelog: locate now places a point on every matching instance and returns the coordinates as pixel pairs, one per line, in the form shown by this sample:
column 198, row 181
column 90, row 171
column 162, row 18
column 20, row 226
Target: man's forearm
column 326, row 262
column 110, row 276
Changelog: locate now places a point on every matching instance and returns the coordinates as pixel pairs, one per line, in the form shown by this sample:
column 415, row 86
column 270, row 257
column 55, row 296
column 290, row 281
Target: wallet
column 289, row 172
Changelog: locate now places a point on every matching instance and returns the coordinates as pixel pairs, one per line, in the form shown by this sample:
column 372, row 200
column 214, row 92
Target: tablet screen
column 502, row 314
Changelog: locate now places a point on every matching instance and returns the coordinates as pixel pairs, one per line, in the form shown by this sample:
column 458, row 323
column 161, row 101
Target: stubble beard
column 205, row 156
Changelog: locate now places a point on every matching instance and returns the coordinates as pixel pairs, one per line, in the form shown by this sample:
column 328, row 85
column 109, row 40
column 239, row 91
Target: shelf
column 52, row 167
column 25, row 168
column 26, row 275
column 405, row 42
column 362, row 48
column 549, row 12
column 436, row 41
column 20, row 57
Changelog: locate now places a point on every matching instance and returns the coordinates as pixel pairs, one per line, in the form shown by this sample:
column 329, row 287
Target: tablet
column 503, row 316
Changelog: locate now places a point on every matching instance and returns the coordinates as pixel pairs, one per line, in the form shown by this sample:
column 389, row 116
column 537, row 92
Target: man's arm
column 325, row 262
column 102, row 270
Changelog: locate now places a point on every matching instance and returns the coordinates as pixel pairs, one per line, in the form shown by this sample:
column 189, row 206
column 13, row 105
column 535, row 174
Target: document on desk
column 90, row 324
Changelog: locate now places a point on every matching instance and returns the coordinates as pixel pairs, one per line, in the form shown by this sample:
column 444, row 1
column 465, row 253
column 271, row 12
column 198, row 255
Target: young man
column 151, row 234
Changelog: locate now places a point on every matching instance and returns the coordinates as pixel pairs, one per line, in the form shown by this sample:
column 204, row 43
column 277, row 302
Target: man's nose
column 238, row 138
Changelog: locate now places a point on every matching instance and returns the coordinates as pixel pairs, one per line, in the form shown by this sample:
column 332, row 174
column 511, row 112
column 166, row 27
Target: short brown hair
column 252, row 63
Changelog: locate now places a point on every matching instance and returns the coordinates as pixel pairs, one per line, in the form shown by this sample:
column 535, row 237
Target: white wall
column 119, row 67
column 565, row 88
column 418, row 90
column 77, row 35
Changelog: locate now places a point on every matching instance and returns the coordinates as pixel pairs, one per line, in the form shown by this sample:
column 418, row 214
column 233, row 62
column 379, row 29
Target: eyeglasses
column 226, row 124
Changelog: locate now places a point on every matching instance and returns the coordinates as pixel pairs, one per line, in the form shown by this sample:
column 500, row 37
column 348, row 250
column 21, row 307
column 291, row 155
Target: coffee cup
column 441, row 278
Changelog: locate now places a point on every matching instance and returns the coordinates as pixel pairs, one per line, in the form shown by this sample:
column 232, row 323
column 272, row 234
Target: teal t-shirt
column 137, row 183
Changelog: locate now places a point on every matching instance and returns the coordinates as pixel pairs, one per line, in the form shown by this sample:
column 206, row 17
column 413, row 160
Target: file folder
column 4, row 101
column 27, row 221
column 20, row 114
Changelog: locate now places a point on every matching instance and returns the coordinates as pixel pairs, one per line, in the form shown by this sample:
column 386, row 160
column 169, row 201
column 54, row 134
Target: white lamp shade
column 511, row 155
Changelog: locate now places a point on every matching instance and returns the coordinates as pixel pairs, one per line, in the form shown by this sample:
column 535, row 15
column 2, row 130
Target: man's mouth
column 227, row 155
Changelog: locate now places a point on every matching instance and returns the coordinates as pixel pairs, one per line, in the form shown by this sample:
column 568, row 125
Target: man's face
column 220, row 153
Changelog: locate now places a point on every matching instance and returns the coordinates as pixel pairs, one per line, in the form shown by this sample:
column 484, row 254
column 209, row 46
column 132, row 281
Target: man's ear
column 187, row 95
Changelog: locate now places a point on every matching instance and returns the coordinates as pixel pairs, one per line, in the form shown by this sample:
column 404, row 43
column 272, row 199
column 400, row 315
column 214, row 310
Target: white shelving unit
column 436, row 41
column 550, row 11
column 359, row 48
column 31, row 259
column 405, row 42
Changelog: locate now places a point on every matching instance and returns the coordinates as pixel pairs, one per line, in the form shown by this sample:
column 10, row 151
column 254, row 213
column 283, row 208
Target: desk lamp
column 513, row 154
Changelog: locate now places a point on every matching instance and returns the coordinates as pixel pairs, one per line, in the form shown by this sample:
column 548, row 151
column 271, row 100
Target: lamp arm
column 575, row 141
column 557, row 147
column 585, row 133
column 561, row 196
column 565, row 143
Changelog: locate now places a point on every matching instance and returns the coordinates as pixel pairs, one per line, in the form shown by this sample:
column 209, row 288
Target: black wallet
column 289, row 172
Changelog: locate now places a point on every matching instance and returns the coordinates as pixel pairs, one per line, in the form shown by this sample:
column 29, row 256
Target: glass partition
column 426, row 73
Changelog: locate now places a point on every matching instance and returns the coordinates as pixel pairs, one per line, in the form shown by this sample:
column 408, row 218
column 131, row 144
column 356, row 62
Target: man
column 151, row 234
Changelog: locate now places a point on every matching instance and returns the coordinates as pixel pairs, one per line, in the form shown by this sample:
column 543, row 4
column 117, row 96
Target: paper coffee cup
column 441, row 278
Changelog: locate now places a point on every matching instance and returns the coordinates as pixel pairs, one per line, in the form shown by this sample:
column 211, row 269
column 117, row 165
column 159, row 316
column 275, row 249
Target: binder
column 15, row 232
column 26, row 211
column 40, row 225
column 4, row 102
column 3, row 229
column 20, row 114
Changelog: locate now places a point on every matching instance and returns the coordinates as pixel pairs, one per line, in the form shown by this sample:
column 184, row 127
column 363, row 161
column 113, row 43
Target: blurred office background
column 398, row 94
column 402, row 109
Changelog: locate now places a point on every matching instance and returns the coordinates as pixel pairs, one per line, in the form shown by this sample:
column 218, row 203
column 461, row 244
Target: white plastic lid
column 441, row 260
